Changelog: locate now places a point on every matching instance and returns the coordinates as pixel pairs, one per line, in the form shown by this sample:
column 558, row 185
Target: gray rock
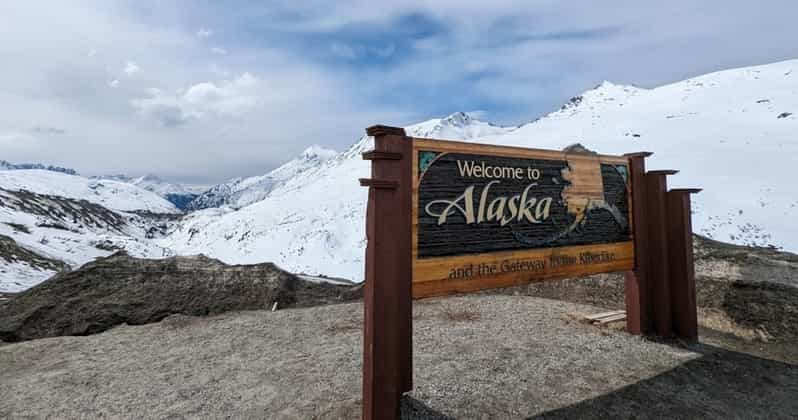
column 121, row 289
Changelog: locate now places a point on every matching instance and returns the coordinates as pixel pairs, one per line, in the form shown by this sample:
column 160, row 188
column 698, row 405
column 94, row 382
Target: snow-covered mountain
column 51, row 221
column 459, row 125
column 178, row 194
column 313, row 223
column 41, row 234
column 732, row 133
column 111, row 194
column 241, row 192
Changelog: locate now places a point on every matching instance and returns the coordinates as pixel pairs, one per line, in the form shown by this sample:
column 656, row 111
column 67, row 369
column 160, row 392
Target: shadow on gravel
column 720, row 384
column 413, row 409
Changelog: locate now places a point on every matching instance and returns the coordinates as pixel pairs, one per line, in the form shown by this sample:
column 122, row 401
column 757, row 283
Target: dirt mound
column 121, row 289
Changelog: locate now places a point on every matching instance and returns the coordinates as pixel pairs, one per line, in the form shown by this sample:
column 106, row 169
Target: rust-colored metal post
column 682, row 270
column 638, row 298
column 387, row 342
column 658, row 262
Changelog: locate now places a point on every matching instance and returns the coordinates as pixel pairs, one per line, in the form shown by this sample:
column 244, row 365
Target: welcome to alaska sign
column 487, row 216
column 449, row 217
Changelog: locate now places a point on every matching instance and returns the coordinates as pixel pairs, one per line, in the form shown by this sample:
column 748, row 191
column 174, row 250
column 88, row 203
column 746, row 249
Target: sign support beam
column 658, row 262
column 682, row 270
column 637, row 285
column 387, row 341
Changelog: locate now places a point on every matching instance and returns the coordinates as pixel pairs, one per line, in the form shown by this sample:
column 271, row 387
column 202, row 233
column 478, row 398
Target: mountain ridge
column 178, row 194
column 730, row 133
column 8, row 166
column 240, row 192
column 712, row 118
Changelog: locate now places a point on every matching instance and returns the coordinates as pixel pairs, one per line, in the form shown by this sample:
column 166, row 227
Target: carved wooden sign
column 489, row 216
column 447, row 217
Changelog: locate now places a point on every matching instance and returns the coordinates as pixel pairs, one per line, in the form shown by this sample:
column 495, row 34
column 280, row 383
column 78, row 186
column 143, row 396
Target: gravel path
column 477, row 356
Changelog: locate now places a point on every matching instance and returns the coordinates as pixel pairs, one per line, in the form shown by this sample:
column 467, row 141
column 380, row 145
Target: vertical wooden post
column 638, row 298
column 387, row 342
column 682, row 270
column 658, row 262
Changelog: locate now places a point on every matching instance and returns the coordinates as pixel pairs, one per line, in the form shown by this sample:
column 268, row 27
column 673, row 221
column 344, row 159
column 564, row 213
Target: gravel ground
column 477, row 356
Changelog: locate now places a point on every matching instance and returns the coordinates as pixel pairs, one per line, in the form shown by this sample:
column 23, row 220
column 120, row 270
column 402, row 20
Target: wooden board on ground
column 606, row 317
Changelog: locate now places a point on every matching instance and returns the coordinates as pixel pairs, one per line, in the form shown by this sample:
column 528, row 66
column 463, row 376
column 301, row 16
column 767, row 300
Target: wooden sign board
column 489, row 216
column 446, row 217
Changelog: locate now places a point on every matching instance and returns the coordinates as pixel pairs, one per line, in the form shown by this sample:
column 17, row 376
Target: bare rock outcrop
column 121, row 289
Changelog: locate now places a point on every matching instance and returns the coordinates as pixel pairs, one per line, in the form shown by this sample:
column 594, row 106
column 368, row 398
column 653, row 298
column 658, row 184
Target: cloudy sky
column 201, row 91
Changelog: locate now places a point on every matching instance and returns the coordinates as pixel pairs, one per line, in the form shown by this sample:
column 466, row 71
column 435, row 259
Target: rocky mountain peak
column 316, row 152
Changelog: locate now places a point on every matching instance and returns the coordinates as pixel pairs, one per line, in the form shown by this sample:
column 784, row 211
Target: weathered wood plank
column 611, row 319
column 434, row 277
column 600, row 315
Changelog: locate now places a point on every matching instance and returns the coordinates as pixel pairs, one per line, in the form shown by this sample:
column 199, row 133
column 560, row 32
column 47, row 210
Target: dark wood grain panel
column 588, row 210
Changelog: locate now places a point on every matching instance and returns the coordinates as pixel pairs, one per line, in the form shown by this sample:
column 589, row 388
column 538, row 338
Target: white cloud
column 91, row 53
column 131, row 68
column 235, row 125
column 228, row 98
column 219, row 51
column 528, row 57
column 204, row 33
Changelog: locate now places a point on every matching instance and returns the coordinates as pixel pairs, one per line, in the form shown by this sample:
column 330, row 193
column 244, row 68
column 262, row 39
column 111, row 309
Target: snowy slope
column 459, row 125
column 114, row 195
column 72, row 219
column 18, row 276
column 312, row 224
column 241, row 192
column 731, row 133
column 68, row 232
column 156, row 184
